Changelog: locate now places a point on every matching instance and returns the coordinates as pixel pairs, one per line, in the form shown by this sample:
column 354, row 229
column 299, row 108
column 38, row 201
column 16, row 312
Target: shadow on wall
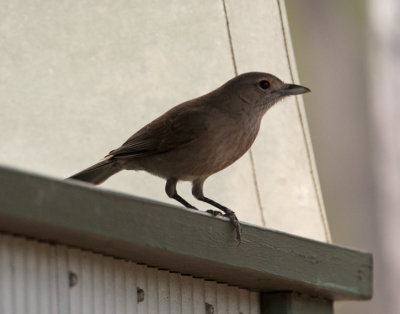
column 331, row 40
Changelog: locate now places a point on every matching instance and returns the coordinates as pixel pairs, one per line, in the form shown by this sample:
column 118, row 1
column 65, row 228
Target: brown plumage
column 199, row 137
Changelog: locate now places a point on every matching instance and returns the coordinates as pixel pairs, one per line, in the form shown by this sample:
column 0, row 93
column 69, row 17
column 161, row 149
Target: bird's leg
column 197, row 192
column 170, row 189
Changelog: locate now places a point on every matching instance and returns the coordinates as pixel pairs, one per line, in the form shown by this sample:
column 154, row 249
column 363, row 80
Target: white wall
column 78, row 78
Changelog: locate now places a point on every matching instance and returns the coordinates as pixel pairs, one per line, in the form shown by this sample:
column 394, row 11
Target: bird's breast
column 230, row 143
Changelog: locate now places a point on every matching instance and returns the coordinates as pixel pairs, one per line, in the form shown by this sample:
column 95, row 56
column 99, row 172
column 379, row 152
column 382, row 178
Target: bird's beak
column 292, row 89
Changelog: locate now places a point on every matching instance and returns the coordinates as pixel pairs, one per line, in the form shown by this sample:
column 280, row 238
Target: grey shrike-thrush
column 198, row 138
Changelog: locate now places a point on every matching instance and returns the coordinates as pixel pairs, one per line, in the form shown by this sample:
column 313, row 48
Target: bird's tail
column 99, row 172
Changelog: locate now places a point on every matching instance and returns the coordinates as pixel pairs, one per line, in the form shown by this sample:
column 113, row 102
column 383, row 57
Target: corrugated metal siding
column 41, row 278
column 28, row 276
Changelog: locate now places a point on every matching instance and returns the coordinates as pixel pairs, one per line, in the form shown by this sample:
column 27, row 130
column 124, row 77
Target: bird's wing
column 177, row 127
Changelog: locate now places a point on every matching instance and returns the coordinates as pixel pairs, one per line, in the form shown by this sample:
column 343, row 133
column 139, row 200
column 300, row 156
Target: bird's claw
column 236, row 225
column 232, row 217
column 215, row 213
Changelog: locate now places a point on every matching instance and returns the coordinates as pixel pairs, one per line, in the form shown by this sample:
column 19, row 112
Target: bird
column 198, row 138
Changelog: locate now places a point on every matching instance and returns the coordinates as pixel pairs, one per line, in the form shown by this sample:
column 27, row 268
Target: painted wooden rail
column 293, row 274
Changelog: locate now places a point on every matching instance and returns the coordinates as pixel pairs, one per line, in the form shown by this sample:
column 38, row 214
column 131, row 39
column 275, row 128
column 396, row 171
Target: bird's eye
column 264, row 84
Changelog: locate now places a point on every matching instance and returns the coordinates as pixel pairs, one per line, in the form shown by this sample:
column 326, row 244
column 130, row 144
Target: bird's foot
column 236, row 225
column 232, row 217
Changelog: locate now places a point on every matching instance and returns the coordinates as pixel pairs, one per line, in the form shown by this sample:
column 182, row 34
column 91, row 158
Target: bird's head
column 262, row 90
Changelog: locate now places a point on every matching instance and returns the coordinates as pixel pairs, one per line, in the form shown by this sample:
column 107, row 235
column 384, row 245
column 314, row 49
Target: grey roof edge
column 178, row 239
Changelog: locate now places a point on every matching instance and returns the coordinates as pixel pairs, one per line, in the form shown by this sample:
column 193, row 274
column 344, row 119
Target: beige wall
column 78, row 78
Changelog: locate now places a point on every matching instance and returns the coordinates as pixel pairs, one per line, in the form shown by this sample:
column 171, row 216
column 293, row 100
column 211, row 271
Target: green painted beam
column 294, row 303
column 178, row 239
